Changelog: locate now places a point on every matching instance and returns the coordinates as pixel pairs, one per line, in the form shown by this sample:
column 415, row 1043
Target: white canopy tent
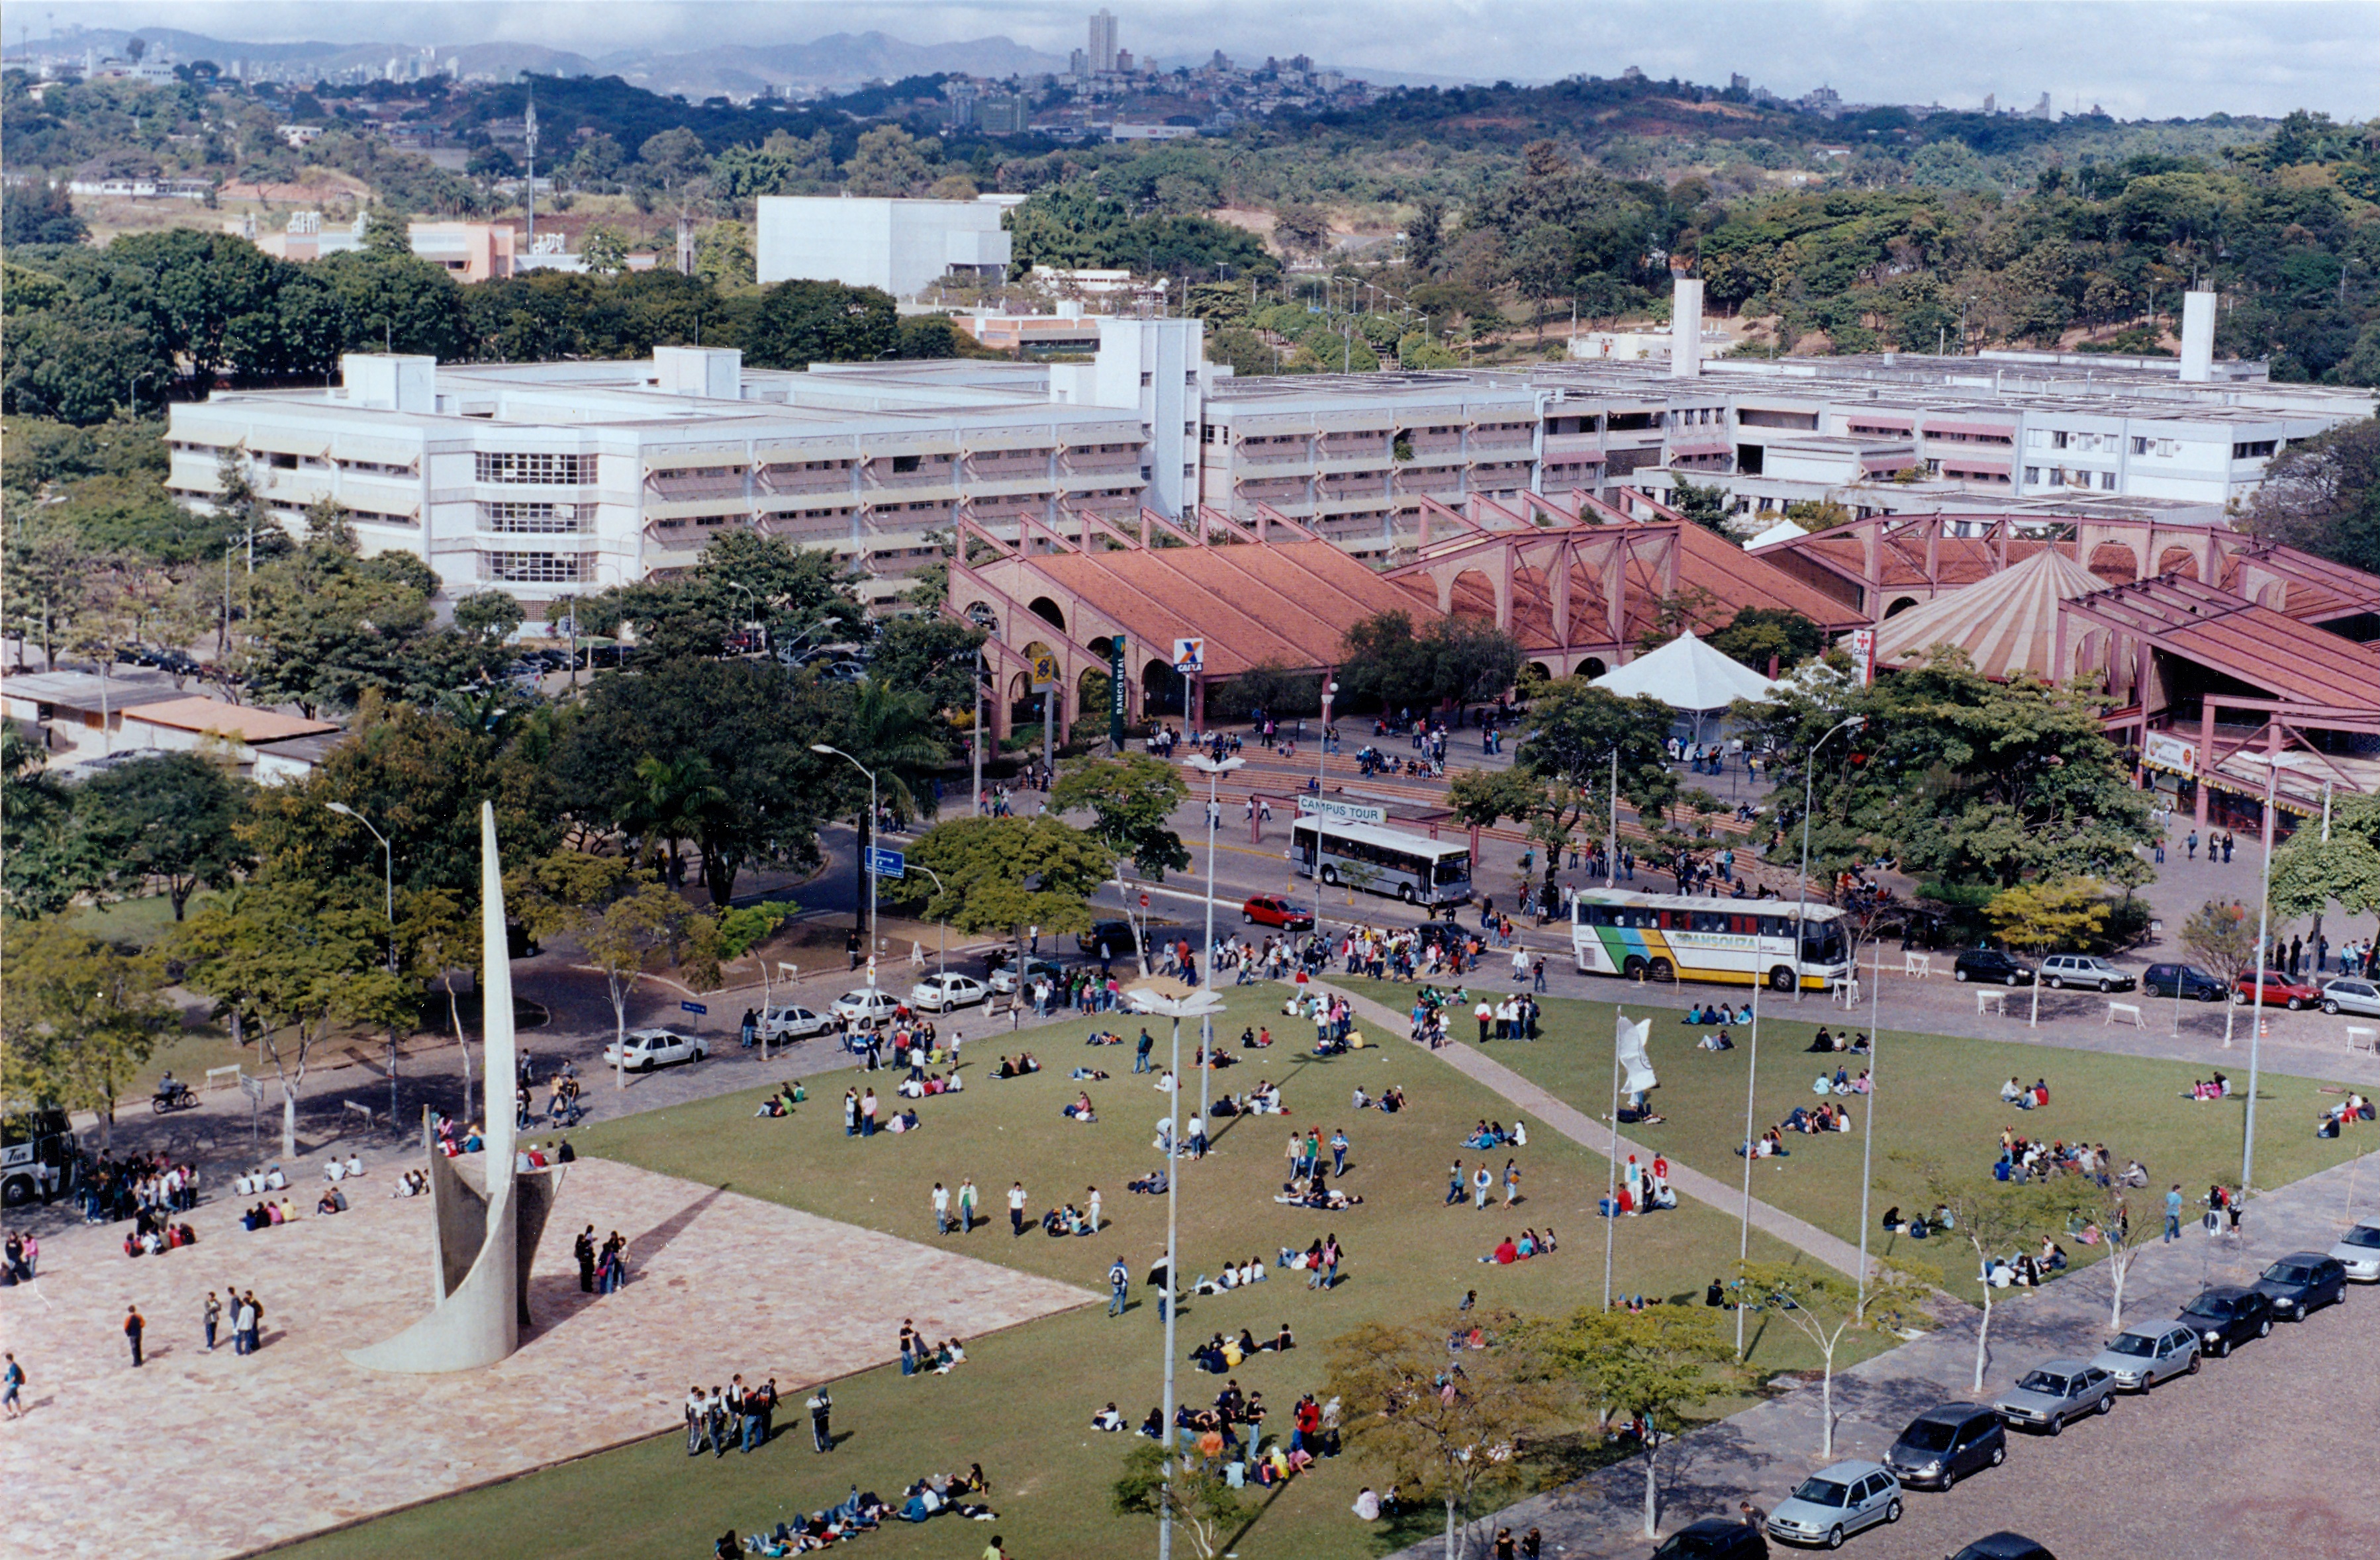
column 1688, row 676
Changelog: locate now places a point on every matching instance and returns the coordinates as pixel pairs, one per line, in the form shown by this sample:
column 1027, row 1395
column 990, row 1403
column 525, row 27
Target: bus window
column 1453, row 869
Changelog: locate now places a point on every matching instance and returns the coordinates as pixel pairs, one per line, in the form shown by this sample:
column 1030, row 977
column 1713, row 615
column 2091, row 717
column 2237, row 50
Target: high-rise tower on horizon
column 1102, row 51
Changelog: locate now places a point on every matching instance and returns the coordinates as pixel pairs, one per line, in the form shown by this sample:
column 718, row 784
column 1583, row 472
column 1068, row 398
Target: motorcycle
column 180, row 1097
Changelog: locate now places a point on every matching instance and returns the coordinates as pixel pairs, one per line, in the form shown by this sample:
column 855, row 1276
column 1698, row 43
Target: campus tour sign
column 1340, row 812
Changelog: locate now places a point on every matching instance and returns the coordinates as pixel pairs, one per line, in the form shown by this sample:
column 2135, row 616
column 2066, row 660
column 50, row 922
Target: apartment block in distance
column 902, row 246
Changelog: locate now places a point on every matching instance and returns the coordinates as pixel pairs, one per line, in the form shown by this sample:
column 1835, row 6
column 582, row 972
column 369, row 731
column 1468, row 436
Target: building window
column 2032, row 476
column 534, row 568
column 523, row 468
column 2060, row 439
column 2257, row 450
column 2140, row 446
column 2107, row 481
column 534, row 518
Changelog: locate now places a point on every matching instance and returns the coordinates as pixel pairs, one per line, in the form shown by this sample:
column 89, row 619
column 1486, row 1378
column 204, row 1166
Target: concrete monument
column 483, row 1236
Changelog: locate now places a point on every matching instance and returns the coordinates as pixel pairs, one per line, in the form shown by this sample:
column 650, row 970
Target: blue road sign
column 886, row 863
column 694, row 1007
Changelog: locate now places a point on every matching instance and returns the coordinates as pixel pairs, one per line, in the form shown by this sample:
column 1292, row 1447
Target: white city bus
column 1670, row 937
column 1413, row 867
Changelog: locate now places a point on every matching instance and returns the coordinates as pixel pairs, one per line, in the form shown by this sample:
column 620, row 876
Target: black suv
column 1990, row 965
column 1122, row 938
column 1943, row 1446
column 2225, row 1316
column 2004, row 1547
column 2303, row 1283
column 1714, row 1538
column 2181, row 980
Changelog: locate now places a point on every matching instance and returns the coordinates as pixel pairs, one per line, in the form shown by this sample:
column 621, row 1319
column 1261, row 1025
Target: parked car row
column 1957, row 1441
column 1991, row 966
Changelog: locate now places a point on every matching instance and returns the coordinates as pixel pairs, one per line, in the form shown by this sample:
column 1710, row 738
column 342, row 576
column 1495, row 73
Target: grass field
column 1021, row 1404
column 1939, row 1095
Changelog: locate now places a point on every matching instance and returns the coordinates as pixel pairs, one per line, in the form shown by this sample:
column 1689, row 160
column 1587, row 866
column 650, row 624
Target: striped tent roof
column 2007, row 623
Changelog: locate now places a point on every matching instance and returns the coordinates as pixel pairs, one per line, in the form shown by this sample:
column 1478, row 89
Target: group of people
column 1221, row 1353
column 1639, row 1188
column 2025, row 1160
column 921, row 1354
column 108, row 1188
column 2032, row 1097
column 1478, row 1186
column 602, row 1267
column 1529, row 1244
column 736, row 1414
column 2351, row 1109
column 927, row 1497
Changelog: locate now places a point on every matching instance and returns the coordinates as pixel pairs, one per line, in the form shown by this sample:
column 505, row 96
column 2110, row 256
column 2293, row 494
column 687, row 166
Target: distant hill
column 836, row 63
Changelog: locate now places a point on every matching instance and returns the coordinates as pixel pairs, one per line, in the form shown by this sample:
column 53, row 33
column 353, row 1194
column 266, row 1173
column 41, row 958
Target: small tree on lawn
column 617, row 915
column 1445, row 1419
column 2223, row 938
column 1131, row 801
column 1994, row 1219
column 1195, row 1492
column 2124, row 1240
column 1825, row 1307
column 297, row 962
column 1652, row 1364
column 2038, row 917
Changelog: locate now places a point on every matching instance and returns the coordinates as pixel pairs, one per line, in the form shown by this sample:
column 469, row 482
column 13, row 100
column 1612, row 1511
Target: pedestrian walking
column 2173, row 1214
column 12, row 1387
column 134, row 1323
column 966, row 1207
column 1454, row 1184
column 1093, row 1210
column 1511, row 1183
column 1339, row 1146
column 1119, row 1286
column 1017, row 1208
column 821, row 1406
column 245, row 1317
column 1481, row 1184
column 941, row 1209
column 583, row 1248
column 210, row 1317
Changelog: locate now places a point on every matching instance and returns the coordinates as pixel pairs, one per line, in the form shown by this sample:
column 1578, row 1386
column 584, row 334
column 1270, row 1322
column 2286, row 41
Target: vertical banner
column 1115, row 692
column 1862, row 649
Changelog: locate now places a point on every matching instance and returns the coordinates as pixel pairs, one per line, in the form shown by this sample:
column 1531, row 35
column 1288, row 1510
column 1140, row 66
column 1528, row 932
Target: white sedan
column 793, row 1024
column 939, row 994
column 866, row 1005
column 645, row 1049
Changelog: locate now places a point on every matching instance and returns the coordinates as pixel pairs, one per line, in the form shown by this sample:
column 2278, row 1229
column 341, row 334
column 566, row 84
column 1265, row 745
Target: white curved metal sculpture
column 484, row 1238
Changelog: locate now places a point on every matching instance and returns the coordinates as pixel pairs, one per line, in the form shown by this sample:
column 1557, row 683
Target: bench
column 2124, row 1009
column 2359, row 1038
column 222, row 1076
column 371, row 1117
column 1918, row 965
column 1991, row 1001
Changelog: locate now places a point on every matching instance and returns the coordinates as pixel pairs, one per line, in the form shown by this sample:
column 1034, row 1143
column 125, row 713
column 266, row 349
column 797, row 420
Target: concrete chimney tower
column 2197, row 337
column 1686, row 329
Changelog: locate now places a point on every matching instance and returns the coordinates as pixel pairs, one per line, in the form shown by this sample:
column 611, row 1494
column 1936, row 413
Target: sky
column 2136, row 58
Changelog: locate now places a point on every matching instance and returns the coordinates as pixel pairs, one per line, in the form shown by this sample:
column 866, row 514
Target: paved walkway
column 2057, row 1491
column 216, row 1455
column 1598, row 1136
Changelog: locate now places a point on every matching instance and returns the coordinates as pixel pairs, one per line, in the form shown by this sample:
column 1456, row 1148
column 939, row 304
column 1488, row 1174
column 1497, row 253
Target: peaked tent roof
column 1685, row 674
column 1783, row 531
column 2007, row 624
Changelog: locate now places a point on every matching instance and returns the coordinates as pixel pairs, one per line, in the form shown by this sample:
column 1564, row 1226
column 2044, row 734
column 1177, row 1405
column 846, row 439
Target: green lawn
column 1940, row 1096
column 1021, row 1404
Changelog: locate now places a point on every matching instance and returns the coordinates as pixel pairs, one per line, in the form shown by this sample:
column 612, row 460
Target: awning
column 1981, row 429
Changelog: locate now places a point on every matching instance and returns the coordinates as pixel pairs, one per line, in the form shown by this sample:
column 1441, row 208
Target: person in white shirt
column 1367, row 1505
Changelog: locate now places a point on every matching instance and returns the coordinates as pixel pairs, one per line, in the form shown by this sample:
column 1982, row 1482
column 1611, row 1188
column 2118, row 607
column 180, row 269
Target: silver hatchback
column 2140, row 1357
column 2054, row 1394
column 1835, row 1502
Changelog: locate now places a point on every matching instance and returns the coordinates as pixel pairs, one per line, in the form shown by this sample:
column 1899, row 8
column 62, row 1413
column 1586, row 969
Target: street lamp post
column 388, row 887
column 1322, row 778
column 1809, row 776
column 1202, row 1005
column 1215, row 770
column 868, row 834
column 2274, row 764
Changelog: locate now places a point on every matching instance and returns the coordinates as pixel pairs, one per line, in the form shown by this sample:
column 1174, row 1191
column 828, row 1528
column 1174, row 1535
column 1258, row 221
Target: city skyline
column 2241, row 57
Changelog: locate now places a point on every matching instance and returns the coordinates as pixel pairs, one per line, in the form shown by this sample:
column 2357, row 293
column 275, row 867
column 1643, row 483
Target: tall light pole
column 1868, row 1123
column 942, row 943
column 868, row 834
column 1809, row 776
column 1751, row 1083
column 1147, row 999
column 1215, row 770
column 1321, row 777
column 2274, row 764
column 388, row 889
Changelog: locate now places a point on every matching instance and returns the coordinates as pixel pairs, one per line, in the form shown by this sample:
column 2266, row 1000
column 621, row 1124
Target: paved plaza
column 199, row 1454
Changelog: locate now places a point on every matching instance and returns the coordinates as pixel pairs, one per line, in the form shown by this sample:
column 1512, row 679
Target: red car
column 1271, row 909
column 2279, row 991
